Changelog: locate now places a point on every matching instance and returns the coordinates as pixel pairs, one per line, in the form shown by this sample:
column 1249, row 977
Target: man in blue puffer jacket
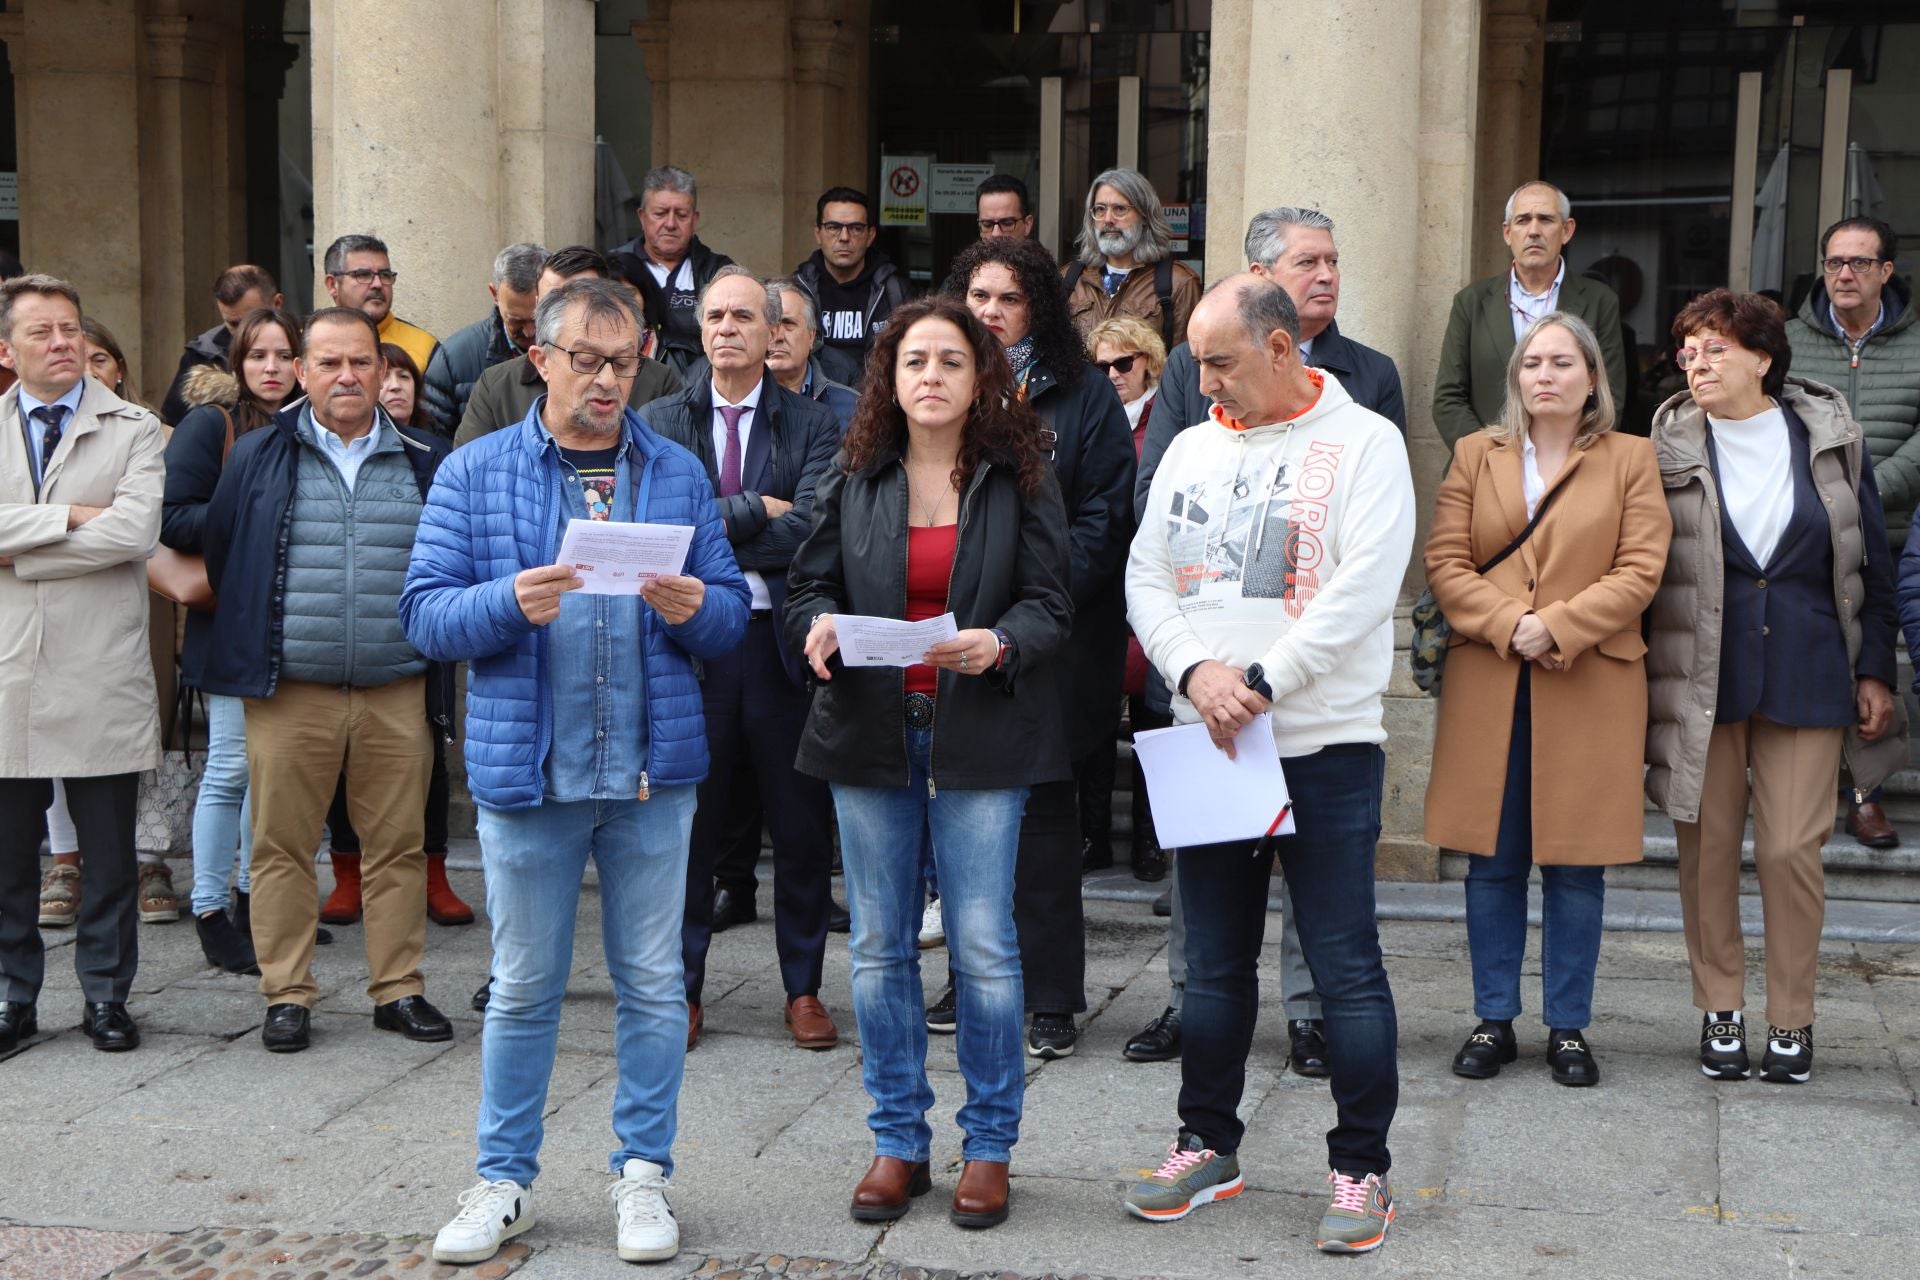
column 584, row 739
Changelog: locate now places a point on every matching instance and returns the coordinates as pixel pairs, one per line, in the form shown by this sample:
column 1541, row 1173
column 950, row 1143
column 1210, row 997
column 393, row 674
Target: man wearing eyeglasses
column 361, row 275
column 1003, row 208
column 856, row 286
column 1125, row 264
column 1856, row 333
column 1489, row 315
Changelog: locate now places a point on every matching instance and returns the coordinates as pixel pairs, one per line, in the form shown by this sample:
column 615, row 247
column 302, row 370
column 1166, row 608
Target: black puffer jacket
column 457, row 364
column 1010, row 569
column 846, row 363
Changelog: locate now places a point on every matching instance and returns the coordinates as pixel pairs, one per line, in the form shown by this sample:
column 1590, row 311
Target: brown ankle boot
column 981, row 1198
column 443, row 904
column 343, row 904
column 889, row 1187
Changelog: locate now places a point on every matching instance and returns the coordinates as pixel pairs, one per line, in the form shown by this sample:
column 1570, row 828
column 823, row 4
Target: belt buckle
column 919, row 711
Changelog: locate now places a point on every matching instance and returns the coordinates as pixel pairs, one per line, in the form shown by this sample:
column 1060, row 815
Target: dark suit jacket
column 790, row 442
column 1471, row 385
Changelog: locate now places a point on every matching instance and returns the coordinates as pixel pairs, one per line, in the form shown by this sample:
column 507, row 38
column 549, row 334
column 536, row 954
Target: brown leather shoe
column 695, row 1020
column 888, row 1190
column 1868, row 824
column 981, row 1198
column 811, row 1024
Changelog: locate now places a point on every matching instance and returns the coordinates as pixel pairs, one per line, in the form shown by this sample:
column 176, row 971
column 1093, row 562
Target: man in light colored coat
column 80, row 486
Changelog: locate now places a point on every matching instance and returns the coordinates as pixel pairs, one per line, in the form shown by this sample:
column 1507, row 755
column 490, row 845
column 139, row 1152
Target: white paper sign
column 1198, row 796
column 954, row 186
column 903, row 191
column 888, row 642
column 617, row 558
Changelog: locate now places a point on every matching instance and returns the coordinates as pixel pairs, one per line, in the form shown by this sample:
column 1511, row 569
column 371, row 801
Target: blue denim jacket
column 594, row 669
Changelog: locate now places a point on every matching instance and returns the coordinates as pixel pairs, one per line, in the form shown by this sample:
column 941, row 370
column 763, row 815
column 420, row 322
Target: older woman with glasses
column 1771, row 660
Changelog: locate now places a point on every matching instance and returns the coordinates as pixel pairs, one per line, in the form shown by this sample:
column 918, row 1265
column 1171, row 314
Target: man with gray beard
column 1126, row 264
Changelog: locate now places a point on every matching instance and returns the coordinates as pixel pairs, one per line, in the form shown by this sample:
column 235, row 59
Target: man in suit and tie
column 1490, row 315
column 764, row 448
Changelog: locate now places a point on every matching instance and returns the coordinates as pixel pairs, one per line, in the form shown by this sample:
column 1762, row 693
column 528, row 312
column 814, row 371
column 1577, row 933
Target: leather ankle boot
column 889, row 1187
column 443, row 904
column 343, row 904
column 981, row 1198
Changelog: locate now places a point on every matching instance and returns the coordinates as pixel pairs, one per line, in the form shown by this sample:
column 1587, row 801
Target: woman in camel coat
column 1537, row 755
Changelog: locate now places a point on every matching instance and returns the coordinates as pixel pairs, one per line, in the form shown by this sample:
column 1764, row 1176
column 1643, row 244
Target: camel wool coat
column 1589, row 571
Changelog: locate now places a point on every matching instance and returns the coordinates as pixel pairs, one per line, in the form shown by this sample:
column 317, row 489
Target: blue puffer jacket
column 490, row 515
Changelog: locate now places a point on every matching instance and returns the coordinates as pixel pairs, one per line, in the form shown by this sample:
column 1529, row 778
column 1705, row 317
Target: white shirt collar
column 749, row 401
column 1518, row 291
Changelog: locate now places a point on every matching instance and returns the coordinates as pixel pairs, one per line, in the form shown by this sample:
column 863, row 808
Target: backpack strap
column 1163, row 290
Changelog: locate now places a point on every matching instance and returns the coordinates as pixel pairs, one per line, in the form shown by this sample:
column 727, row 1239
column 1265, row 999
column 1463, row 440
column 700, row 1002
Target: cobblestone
column 68, row 1253
column 229, row 1253
column 759, row 1266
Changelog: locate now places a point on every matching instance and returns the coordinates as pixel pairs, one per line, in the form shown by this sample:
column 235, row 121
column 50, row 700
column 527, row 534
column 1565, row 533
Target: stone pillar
column 448, row 157
column 1513, row 67
column 124, row 162
column 1396, row 176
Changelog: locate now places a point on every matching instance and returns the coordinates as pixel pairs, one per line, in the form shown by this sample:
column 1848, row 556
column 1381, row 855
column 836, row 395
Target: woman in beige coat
column 1537, row 753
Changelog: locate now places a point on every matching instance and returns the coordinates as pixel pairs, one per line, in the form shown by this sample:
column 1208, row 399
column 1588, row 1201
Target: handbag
column 163, row 818
column 181, row 576
column 1432, row 632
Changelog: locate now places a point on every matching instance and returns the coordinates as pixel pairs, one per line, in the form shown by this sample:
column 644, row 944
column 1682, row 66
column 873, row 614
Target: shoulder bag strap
column 1163, row 290
column 1525, row 533
column 227, row 447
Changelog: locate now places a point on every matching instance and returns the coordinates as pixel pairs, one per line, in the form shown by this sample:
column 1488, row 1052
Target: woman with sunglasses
column 1771, row 658
column 1014, row 288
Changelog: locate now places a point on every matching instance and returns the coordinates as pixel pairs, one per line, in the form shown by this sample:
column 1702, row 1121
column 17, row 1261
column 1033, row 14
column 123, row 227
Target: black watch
column 1256, row 680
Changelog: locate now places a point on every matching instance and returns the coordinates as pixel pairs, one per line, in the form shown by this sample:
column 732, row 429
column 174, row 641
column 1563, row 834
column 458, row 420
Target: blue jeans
column 1328, row 864
column 975, row 835
column 1571, row 902
column 534, row 860
column 222, row 816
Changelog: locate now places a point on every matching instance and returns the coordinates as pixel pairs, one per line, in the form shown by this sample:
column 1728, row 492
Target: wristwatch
column 1006, row 647
column 1256, row 680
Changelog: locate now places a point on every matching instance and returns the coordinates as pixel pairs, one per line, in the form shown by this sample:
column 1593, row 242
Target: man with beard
column 361, row 275
column 1126, row 264
column 585, row 740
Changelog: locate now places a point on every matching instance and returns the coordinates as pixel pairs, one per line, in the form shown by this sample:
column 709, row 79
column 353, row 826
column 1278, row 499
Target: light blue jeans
column 975, row 835
column 223, row 815
column 534, row 860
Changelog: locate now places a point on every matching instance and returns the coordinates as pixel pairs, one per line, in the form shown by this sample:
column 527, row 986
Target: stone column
column 449, row 128
column 1513, row 67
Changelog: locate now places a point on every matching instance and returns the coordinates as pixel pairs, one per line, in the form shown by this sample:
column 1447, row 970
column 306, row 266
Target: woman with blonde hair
column 1549, row 535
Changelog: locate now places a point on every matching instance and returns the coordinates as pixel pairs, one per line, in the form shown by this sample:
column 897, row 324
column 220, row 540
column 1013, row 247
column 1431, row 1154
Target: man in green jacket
column 1490, row 315
column 505, row 392
column 1856, row 333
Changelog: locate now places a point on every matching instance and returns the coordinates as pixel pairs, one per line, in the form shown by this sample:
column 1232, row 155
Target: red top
column 929, row 566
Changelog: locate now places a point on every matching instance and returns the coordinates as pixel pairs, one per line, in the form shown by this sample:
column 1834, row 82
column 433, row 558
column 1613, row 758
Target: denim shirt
column 594, row 669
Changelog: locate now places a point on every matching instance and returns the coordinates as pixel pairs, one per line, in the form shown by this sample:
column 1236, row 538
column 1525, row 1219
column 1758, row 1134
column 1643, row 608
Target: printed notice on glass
column 888, row 642
column 617, row 558
column 1198, row 796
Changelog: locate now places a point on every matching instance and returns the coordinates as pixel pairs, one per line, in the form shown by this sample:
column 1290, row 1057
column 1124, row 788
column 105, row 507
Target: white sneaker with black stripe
column 647, row 1229
column 491, row 1213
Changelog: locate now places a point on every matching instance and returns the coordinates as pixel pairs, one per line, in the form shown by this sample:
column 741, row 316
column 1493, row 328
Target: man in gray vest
column 307, row 540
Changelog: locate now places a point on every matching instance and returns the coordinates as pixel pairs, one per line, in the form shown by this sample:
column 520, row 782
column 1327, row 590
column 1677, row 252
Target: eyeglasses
column 990, row 225
column 835, row 230
column 1713, row 353
column 366, row 275
column 1124, row 364
column 1859, row 266
column 591, row 362
column 1115, row 210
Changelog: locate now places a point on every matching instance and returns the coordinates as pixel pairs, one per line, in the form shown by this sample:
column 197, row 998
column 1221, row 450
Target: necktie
column 730, row 461
column 52, row 416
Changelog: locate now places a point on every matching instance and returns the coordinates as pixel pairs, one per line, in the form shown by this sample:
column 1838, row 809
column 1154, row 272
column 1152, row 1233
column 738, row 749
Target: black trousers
column 740, row 835
column 342, row 838
column 1047, row 913
column 753, row 709
column 106, row 949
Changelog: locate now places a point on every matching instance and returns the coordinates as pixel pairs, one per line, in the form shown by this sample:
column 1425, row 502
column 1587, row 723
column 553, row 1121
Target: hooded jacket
column 845, row 360
column 1283, row 544
column 209, row 348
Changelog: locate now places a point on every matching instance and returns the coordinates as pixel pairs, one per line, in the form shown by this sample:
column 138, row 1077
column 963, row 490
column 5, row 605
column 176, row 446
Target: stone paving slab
column 68, row 1253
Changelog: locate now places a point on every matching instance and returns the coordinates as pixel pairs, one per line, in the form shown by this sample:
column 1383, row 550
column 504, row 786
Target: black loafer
column 1571, row 1060
column 480, row 997
column 109, row 1026
column 839, row 919
column 413, row 1018
column 1490, row 1047
column 1307, row 1044
column 1158, row 1041
column 286, row 1029
column 17, row 1022
column 730, row 909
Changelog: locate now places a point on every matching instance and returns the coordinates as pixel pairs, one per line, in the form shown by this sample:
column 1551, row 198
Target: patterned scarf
column 1020, row 356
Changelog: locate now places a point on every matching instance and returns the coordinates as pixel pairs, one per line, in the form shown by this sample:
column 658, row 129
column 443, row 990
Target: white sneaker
column 491, row 1213
column 648, row 1231
column 933, row 931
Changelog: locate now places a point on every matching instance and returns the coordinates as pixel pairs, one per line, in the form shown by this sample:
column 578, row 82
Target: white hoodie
column 1286, row 545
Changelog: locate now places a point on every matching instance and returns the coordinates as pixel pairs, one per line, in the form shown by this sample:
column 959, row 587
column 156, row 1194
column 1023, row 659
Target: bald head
column 1245, row 336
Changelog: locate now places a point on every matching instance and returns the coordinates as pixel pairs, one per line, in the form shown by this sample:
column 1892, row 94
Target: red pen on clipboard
column 1265, row 843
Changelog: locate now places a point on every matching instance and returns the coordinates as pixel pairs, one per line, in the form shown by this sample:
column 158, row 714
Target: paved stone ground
column 1657, row 1172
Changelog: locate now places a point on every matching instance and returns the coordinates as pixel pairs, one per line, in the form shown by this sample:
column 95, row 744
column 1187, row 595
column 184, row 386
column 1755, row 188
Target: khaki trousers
column 298, row 741
column 1794, row 774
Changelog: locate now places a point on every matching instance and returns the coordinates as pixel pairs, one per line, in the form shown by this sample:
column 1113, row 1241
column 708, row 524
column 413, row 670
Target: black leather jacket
column 1010, row 570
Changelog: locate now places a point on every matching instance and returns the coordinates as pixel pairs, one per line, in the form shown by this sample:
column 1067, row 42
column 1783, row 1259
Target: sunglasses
column 1124, row 364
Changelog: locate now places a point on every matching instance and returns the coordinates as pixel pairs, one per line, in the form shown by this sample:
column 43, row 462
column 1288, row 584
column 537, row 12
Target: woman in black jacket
column 225, row 407
column 940, row 502
column 1014, row 289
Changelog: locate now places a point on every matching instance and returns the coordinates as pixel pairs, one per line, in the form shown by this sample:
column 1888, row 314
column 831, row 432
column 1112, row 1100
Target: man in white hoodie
column 1263, row 578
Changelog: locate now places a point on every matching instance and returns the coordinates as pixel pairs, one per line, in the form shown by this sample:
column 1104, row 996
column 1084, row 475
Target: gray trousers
column 1296, row 981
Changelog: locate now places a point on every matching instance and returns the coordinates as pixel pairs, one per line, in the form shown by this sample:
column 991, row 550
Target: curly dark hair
column 1750, row 319
column 1001, row 427
column 1056, row 343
